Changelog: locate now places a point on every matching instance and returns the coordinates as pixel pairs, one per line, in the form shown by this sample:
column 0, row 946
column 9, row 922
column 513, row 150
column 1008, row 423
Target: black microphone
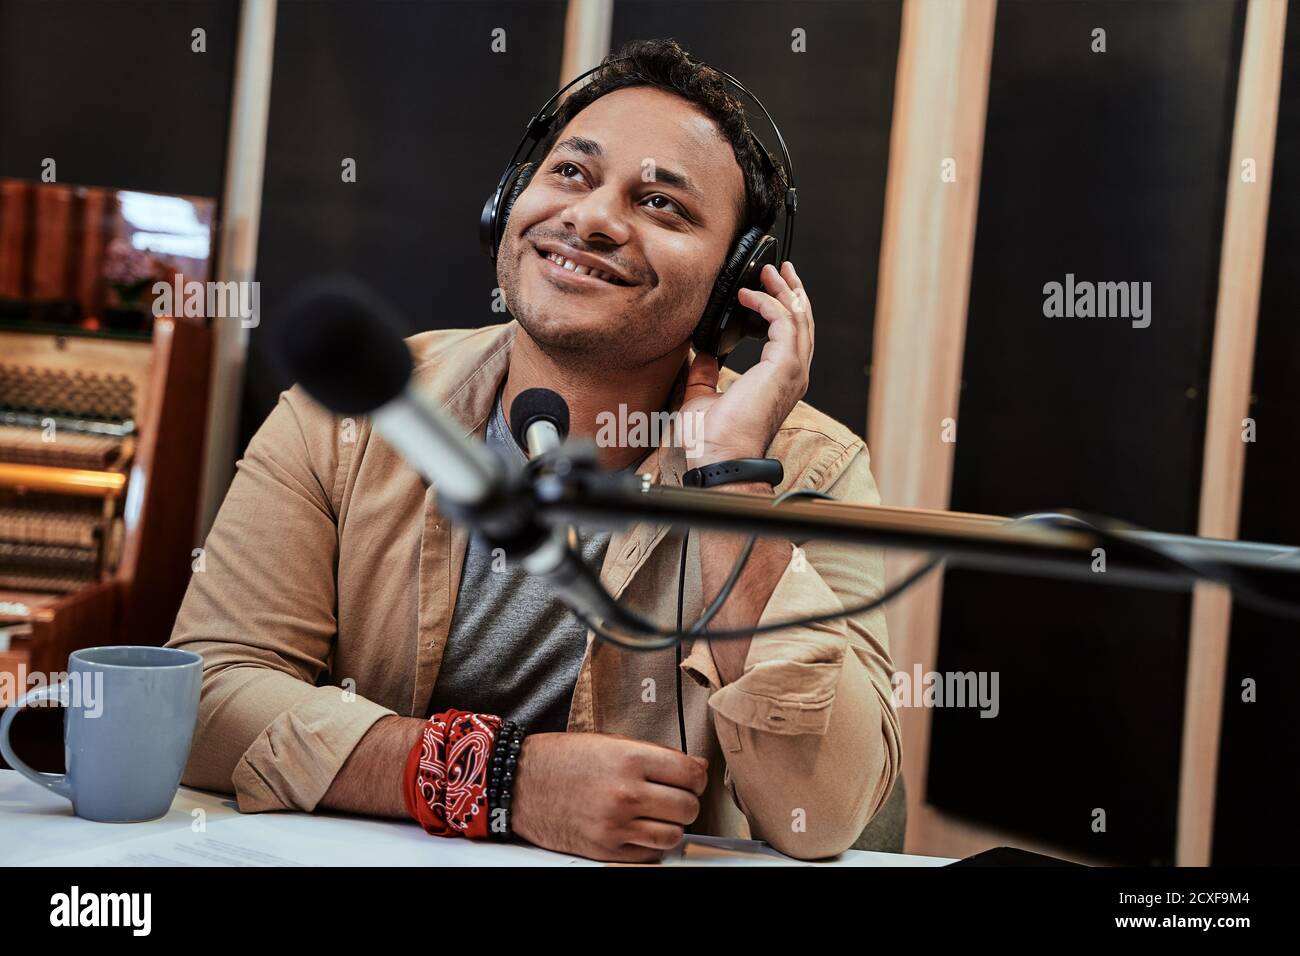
column 539, row 420
column 343, row 343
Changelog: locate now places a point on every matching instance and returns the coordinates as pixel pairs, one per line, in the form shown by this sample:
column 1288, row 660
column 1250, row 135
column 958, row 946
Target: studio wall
column 1105, row 167
column 115, row 93
column 414, row 94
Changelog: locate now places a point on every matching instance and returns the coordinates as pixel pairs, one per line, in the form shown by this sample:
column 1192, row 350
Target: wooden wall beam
column 928, row 241
column 1241, row 265
column 587, row 26
column 241, row 214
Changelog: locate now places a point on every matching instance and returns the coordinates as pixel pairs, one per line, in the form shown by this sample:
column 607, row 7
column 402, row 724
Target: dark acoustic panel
column 114, row 93
column 833, row 104
column 414, row 94
column 1259, row 759
column 1107, row 167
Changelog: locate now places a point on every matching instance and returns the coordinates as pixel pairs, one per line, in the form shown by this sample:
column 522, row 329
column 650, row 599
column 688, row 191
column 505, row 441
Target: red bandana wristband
column 446, row 776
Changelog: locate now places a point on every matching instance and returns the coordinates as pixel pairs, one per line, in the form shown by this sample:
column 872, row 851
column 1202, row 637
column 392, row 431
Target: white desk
column 205, row 829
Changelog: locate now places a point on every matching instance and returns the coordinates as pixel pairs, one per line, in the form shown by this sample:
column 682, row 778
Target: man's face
column 644, row 187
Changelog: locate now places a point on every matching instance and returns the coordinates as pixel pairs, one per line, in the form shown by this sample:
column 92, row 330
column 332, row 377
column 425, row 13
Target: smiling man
column 340, row 611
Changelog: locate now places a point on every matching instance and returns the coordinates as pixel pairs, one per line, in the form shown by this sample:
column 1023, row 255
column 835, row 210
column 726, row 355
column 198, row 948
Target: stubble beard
column 619, row 345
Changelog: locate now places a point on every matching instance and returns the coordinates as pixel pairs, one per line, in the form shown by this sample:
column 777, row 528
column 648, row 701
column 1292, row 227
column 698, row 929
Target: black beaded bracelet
column 501, row 780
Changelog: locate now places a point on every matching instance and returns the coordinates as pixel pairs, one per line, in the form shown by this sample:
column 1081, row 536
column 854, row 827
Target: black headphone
column 725, row 321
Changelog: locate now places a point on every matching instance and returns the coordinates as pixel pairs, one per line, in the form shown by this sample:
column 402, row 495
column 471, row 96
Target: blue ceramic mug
column 128, row 720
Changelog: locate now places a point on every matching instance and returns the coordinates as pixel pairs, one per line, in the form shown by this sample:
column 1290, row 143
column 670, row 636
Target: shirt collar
column 465, row 376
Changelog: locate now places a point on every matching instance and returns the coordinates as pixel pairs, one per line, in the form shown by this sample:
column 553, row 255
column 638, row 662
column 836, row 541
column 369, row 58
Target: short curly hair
column 665, row 65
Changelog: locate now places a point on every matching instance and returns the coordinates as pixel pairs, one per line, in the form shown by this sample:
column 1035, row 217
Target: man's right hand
column 605, row 796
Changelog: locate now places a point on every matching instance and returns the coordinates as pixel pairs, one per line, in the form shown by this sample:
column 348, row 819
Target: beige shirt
column 329, row 578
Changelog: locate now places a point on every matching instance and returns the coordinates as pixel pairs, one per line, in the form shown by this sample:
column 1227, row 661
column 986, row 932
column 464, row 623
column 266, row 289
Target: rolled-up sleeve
column 809, row 730
column 260, row 611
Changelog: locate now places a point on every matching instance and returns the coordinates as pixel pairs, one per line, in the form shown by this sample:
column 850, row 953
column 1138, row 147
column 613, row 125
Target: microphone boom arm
column 571, row 494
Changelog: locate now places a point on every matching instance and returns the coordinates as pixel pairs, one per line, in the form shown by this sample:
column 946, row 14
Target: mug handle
column 55, row 782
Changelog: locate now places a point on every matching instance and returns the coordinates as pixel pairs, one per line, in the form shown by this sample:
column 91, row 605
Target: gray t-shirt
column 514, row 649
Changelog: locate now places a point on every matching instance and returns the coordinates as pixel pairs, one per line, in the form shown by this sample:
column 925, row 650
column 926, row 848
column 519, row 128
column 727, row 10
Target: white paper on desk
column 292, row 839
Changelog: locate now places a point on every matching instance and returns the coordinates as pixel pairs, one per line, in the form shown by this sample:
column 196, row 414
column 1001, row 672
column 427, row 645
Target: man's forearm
column 370, row 780
column 719, row 552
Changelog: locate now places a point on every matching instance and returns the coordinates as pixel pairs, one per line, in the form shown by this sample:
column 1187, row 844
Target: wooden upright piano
column 101, row 444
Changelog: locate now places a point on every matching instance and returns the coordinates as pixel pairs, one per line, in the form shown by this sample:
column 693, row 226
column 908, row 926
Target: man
column 339, row 608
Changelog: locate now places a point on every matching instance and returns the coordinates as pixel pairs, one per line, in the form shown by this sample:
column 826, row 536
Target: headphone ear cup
column 725, row 321
column 496, row 211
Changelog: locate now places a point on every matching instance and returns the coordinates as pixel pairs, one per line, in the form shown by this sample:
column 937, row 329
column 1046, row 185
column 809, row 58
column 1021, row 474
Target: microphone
column 343, row 343
column 539, row 420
